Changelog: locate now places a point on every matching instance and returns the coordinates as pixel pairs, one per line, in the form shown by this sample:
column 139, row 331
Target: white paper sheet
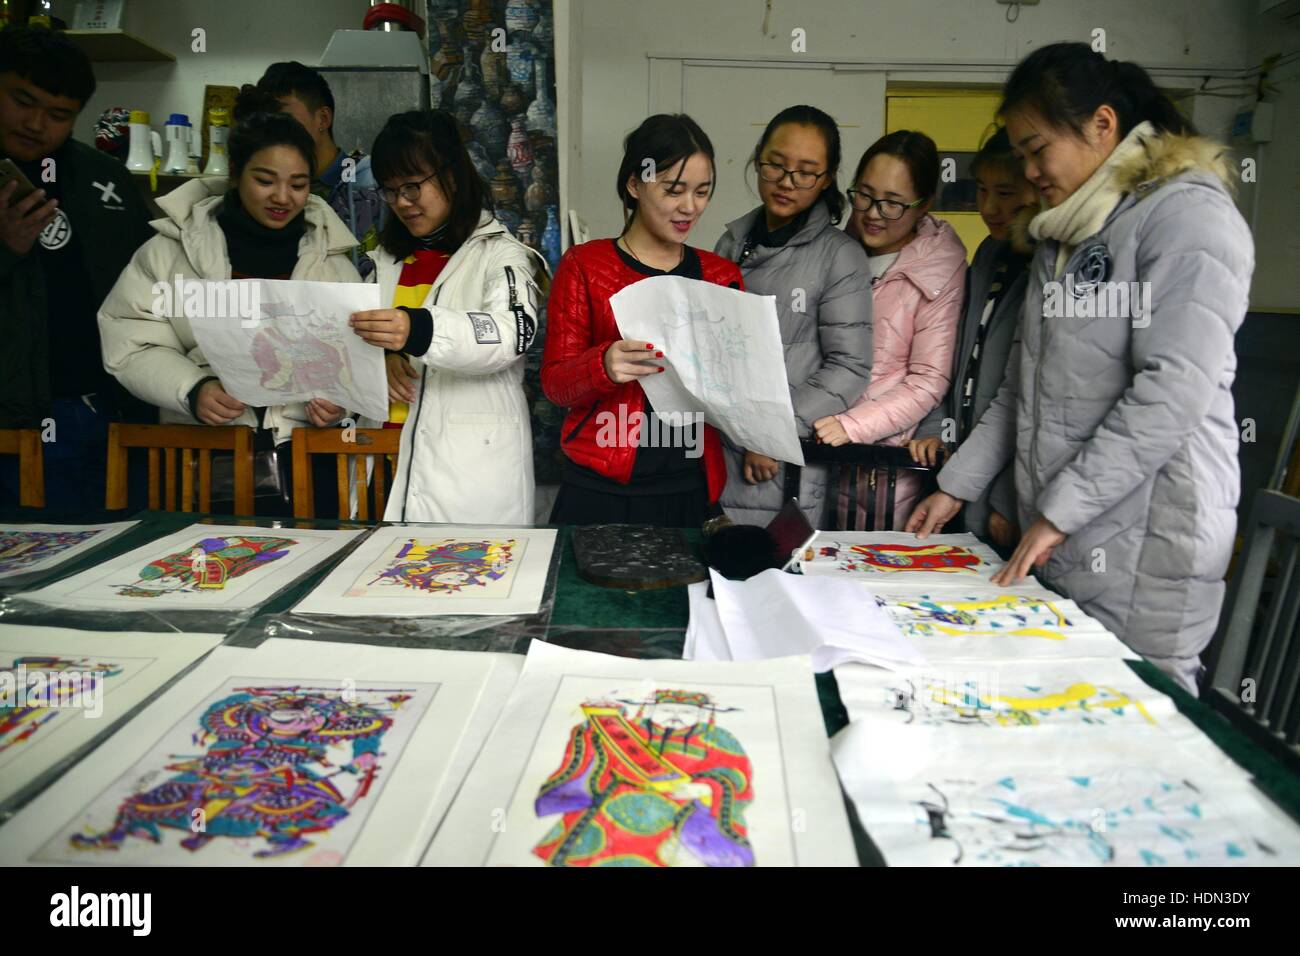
column 722, row 356
column 447, row 569
column 299, row 347
column 1134, row 805
column 224, row 567
column 898, row 560
column 60, row 689
column 989, row 623
column 705, row 639
column 1008, row 709
column 357, row 739
column 833, row 619
column 29, row 548
column 754, row 780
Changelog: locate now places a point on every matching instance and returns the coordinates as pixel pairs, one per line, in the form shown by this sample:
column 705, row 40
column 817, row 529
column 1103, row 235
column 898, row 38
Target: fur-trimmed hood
column 1018, row 230
column 1166, row 155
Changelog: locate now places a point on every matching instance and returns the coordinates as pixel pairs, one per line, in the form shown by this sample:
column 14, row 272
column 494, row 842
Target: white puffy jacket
column 157, row 358
column 466, row 452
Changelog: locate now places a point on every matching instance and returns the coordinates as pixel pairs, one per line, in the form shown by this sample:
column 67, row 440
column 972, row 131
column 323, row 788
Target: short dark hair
column 259, row 124
column 666, row 139
column 1065, row 83
column 291, row 78
column 996, row 153
column 415, row 144
column 916, row 151
column 49, row 60
column 824, row 124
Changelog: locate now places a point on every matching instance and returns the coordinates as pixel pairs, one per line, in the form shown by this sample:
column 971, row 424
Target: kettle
column 146, row 145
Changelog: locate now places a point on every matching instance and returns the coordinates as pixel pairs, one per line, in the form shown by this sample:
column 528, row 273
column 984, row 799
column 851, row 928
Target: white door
column 733, row 104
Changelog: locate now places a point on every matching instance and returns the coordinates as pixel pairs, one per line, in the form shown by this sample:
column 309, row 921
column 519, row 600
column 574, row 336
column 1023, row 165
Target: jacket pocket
column 573, row 433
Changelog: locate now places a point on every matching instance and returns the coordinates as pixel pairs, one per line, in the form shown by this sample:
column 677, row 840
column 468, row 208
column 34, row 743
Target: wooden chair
column 362, row 445
column 1253, row 664
column 855, row 461
column 163, row 442
column 26, row 444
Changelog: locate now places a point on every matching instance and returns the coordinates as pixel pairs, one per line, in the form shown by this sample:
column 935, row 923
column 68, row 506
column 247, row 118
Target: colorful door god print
column 37, row 689
column 278, row 770
column 448, row 566
column 209, row 566
column 896, row 558
column 20, row 550
column 666, row 787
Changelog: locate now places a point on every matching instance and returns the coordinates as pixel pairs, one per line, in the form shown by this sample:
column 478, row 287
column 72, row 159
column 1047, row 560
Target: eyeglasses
column 888, row 208
column 799, row 178
column 408, row 191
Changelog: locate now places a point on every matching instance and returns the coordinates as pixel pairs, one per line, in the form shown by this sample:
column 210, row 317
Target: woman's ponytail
column 1065, row 83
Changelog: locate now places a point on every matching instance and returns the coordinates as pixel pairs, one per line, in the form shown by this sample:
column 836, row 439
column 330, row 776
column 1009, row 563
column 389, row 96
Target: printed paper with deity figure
column 30, row 548
column 61, row 689
column 202, row 566
column 991, row 623
column 295, row 345
column 289, row 754
column 898, row 560
column 454, row 569
column 608, row 761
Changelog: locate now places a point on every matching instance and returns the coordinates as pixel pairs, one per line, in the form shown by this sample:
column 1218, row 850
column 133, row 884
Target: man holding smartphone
column 61, row 249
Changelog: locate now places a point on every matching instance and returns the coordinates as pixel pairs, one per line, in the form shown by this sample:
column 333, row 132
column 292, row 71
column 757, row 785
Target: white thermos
column 177, row 133
column 146, row 145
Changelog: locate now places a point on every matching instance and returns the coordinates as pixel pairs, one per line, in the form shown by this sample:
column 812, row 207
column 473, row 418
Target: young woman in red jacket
column 623, row 466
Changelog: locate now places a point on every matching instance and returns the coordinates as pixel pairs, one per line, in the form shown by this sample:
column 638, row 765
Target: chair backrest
column 364, row 446
column 195, row 443
column 26, row 444
column 1253, row 667
column 849, row 466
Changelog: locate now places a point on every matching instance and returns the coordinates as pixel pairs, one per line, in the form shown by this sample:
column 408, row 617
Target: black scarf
column 255, row 250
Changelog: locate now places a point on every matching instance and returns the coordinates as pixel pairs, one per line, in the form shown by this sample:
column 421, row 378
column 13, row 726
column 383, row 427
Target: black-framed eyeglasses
column 799, row 178
column 888, row 208
column 408, row 191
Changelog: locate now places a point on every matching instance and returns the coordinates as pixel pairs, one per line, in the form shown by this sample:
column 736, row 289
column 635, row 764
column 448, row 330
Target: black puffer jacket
column 112, row 221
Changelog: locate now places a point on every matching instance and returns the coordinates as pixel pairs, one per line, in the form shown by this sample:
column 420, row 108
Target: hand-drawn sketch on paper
column 208, row 566
column 303, row 353
column 39, row 688
column 451, row 566
column 665, row 787
column 298, row 347
column 1126, row 817
column 899, row 558
column 1008, row 615
column 722, row 357
column 274, row 770
column 937, row 701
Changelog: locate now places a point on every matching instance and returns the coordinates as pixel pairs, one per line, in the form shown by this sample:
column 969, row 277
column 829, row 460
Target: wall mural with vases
column 492, row 65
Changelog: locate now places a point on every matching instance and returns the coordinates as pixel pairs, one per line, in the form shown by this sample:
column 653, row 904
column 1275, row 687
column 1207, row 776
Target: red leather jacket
column 580, row 326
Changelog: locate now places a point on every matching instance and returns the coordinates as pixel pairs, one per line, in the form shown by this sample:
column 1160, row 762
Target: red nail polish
column 659, row 355
column 649, row 346
column 661, row 368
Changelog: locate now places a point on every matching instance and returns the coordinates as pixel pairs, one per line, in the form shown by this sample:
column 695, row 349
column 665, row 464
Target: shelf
column 116, row 46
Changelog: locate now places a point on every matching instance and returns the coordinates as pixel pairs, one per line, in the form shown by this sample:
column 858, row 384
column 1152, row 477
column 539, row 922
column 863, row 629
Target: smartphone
column 10, row 171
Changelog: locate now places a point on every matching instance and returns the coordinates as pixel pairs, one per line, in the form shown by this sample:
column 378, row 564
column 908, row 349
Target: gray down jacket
column 1123, row 429
column 822, row 283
